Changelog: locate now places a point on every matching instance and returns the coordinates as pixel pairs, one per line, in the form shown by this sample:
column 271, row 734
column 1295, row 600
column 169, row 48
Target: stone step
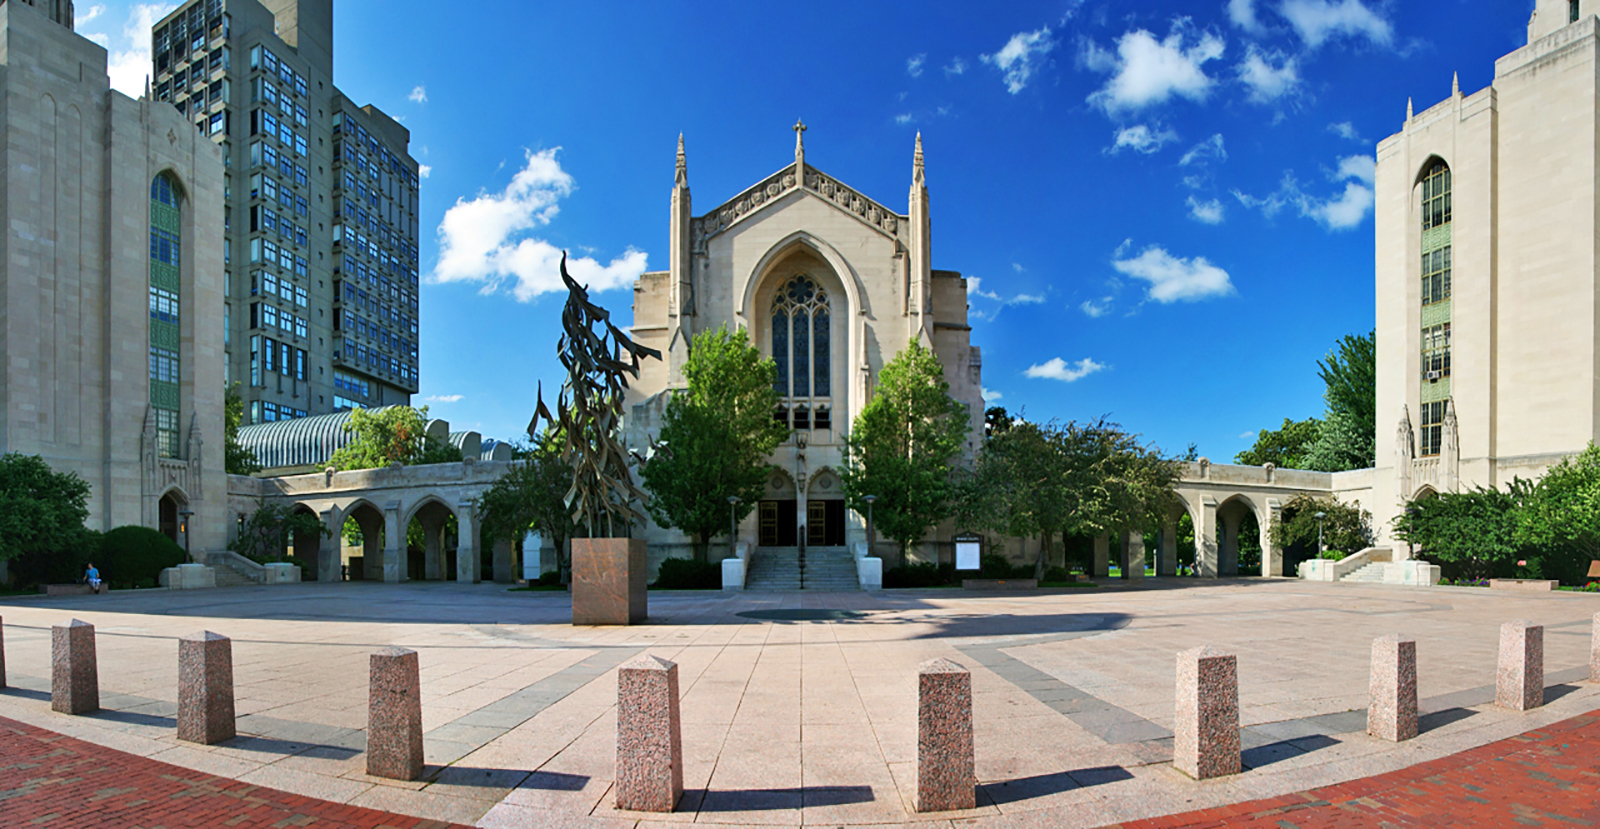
column 1370, row 574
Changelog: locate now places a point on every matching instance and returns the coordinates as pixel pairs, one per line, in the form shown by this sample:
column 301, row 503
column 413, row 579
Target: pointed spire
column 682, row 176
column 799, row 146
column 1455, row 84
column 1408, row 109
column 916, row 162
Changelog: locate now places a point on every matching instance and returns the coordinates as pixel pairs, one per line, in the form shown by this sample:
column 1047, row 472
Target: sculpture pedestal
column 608, row 581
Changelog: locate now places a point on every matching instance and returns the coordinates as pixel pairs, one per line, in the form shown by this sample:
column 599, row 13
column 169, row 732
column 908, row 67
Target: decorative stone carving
column 1450, row 454
column 1404, row 452
column 773, row 186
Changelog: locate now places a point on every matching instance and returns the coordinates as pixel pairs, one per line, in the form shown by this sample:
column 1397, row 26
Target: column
column 394, row 544
column 1271, row 556
column 329, row 557
column 1100, row 568
column 432, row 545
column 503, row 560
column 467, row 567
column 532, row 555
column 1228, row 545
column 1167, row 562
column 1133, row 555
column 1205, row 537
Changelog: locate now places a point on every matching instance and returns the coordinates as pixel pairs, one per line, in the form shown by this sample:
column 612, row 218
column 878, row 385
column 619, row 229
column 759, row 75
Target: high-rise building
column 321, row 207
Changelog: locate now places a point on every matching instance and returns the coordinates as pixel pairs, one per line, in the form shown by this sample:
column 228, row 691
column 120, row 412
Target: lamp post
column 733, row 525
column 183, row 527
column 870, row 539
column 1319, row 517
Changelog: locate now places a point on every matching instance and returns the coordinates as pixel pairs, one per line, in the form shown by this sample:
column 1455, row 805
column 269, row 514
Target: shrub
column 688, row 574
column 552, row 578
column 1057, row 574
column 63, row 565
column 135, row 556
column 995, row 566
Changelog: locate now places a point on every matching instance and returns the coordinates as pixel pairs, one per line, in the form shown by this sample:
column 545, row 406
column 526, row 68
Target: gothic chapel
column 831, row 285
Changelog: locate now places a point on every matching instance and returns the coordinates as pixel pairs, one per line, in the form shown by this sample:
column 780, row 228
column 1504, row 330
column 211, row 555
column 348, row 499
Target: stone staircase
column 228, row 577
column 1370, row 574
column 778, row 568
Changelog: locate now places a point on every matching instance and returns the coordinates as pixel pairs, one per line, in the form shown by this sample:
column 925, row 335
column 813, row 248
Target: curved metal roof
column 305, row 441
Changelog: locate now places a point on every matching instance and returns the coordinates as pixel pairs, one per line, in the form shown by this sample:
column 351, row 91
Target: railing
column 1329, row 570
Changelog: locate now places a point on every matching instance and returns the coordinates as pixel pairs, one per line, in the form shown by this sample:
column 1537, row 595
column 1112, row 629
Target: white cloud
column 1020, row 57
column 1345, row 130
column 1095, row 309
column 1204, row 151
column 88, row 15
column 424, row 170
column 1317, row 21
column 98, row 37
column 1206, row 212
column 1269, row 75
column 903, row 118
column 1248, row 435
column 1343, row 211
column 975, row 288
column 1360, row 167
column 1058, row 369
column 442, row 398
column 1173, row 279
column 1243, row 15
column 914, row 64
column 1146, row 71
column 484, row 239
column 990, row 395
column 419, row 94
column 956, row 66
column 128, row 55
column 1340, row 213
column 1142, row 139
column 1017, row 266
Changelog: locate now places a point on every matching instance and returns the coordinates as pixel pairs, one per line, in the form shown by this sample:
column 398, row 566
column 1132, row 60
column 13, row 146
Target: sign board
column 968, row 551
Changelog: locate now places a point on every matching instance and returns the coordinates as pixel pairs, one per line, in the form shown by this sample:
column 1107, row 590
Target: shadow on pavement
column 1266, row 755
column 1439, row 719
column 760, row 800
column 1001, row 792
column 132, row 718
column 1555, row 692
column 24, row 692
column 956, row 625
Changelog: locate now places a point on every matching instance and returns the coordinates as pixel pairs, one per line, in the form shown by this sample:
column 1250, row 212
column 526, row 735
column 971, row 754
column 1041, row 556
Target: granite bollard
column 74, row 677
column 394, row 715
column 1392, row 693
column 1206, row 739
column 1594, row 654
column 946, row 780
column 2, row 652
column 649, row 736
column 1519, row 681
column 205, row 688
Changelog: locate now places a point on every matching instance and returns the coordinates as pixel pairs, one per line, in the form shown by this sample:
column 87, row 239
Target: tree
column 996, row 420
column 41, row 510
column 388, row 435
column 237, row 460
column 269, row 530
column 1347, row 439
column 1284, row 448
column 903, row 448
column 1473, row 533
column 1346, row 528
column 532, row 496
column 716, row 435
column 1560, row 517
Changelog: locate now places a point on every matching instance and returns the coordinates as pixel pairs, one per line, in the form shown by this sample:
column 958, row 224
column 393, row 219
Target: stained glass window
column 802, row 344
column 820, row 341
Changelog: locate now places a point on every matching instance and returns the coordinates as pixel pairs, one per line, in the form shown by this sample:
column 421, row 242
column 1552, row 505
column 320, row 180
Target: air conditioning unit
column 1434, row 376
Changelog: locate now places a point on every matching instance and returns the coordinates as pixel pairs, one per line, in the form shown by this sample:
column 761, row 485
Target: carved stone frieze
column 781, row 182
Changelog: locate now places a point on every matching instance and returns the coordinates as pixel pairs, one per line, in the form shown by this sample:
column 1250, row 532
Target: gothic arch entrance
column 825, row 511
column 169, row 516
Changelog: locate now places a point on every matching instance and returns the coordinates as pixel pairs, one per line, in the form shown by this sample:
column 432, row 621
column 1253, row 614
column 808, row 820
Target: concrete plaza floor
column 802, row 722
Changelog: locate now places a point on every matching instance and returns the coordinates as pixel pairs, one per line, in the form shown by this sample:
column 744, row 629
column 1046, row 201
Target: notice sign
column 968, row 548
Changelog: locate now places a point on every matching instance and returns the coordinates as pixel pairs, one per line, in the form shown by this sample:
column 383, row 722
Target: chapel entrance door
column 777, row 526
column 825, row 523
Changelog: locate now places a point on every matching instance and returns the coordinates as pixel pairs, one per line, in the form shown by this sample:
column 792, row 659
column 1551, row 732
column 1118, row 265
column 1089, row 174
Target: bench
column 70, row 589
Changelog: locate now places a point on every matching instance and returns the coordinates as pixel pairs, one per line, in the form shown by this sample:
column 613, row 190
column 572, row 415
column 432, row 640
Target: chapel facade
column 831, row 284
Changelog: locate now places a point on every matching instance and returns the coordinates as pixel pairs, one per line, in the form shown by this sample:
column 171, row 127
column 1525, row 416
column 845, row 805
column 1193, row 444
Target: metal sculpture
column 590, row 412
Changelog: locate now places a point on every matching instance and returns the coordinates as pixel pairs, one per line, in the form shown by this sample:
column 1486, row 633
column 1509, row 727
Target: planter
column 609, row 584
column 999, row 584
column 1540, row 585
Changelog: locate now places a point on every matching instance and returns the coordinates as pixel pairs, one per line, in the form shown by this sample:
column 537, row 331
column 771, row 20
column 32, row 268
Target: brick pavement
column 1546, row 777
column 48, row 780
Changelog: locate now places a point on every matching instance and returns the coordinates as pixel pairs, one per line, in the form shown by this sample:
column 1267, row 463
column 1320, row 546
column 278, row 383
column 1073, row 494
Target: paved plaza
column 801, row 708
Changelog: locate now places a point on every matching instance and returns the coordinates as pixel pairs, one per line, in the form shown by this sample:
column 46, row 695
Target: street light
column 184, row 528
column 733, row 525
column 870, row 539
column 1319, row 517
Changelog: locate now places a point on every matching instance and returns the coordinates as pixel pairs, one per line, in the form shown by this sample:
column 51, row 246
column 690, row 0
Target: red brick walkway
column 48, row 780
column 1548, row 777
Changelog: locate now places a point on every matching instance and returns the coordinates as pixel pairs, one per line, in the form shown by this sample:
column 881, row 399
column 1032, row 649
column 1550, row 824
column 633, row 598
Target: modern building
column 321, row 257
column 112, row 260
column 831, row 284
column 1488, row 344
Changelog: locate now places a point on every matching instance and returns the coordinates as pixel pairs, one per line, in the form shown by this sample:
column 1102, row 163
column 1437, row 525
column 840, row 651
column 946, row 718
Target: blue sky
column 1166, row 206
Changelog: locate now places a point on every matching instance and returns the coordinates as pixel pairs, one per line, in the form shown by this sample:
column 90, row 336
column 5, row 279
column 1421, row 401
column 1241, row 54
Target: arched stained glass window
column 802, row 349
column 166, row 243
column 1435, row 323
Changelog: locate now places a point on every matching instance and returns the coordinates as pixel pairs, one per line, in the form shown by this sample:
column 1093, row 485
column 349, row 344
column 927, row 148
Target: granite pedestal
column 1206, row 740
column 1594, row 652
column 74, row 676
column 609, row 581
column 1392, row 694
column 394, row 715
column 649, row 736
column 1519, row 682
column 946, row 780
column 205, row 688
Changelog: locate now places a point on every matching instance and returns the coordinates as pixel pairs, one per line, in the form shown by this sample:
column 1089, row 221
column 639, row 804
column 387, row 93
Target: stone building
column 111, row 274
column 321, row 214
column 830, row 283
column 1488, row 347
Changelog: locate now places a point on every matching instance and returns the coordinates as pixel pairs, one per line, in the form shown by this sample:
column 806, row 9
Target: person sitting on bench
column 91, row 577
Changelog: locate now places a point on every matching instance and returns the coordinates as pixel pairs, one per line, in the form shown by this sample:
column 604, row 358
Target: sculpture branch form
column 590, row 411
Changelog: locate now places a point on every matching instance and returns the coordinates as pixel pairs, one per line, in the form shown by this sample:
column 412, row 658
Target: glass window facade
column 802, row 342
column 166, row 245
column 1435, row 311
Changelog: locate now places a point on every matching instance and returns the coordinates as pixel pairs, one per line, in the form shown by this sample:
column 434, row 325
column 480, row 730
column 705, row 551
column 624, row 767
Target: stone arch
column 827, row 515
column 170, row 505
column 370, row 518
column 309, row 547
column 1230, row 514
column 854, row 289
column 423, row 501
column 1422, row 169
column 1424, row 491
column 436, row 560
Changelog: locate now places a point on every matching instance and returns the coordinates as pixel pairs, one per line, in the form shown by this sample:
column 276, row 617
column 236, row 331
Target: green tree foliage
column 1284, row 448
column 41, row 511
column 134, row 556
column 1559, row 518
column 237, row 460
column 1347, row 438
column 715, row 438
column 996, row 420
column 271, row 528
column 1346, row 528
column 904, row 447
column 532, row 496
column 1471, row 535
column 391, row 434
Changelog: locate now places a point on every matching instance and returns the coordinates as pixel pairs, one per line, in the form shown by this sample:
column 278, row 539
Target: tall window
column 1572, row 11
column 1435, row 314
column 802, row 348
column 166, row 243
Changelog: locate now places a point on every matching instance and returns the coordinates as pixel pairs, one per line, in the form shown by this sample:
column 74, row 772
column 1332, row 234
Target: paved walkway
column 809, row 720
